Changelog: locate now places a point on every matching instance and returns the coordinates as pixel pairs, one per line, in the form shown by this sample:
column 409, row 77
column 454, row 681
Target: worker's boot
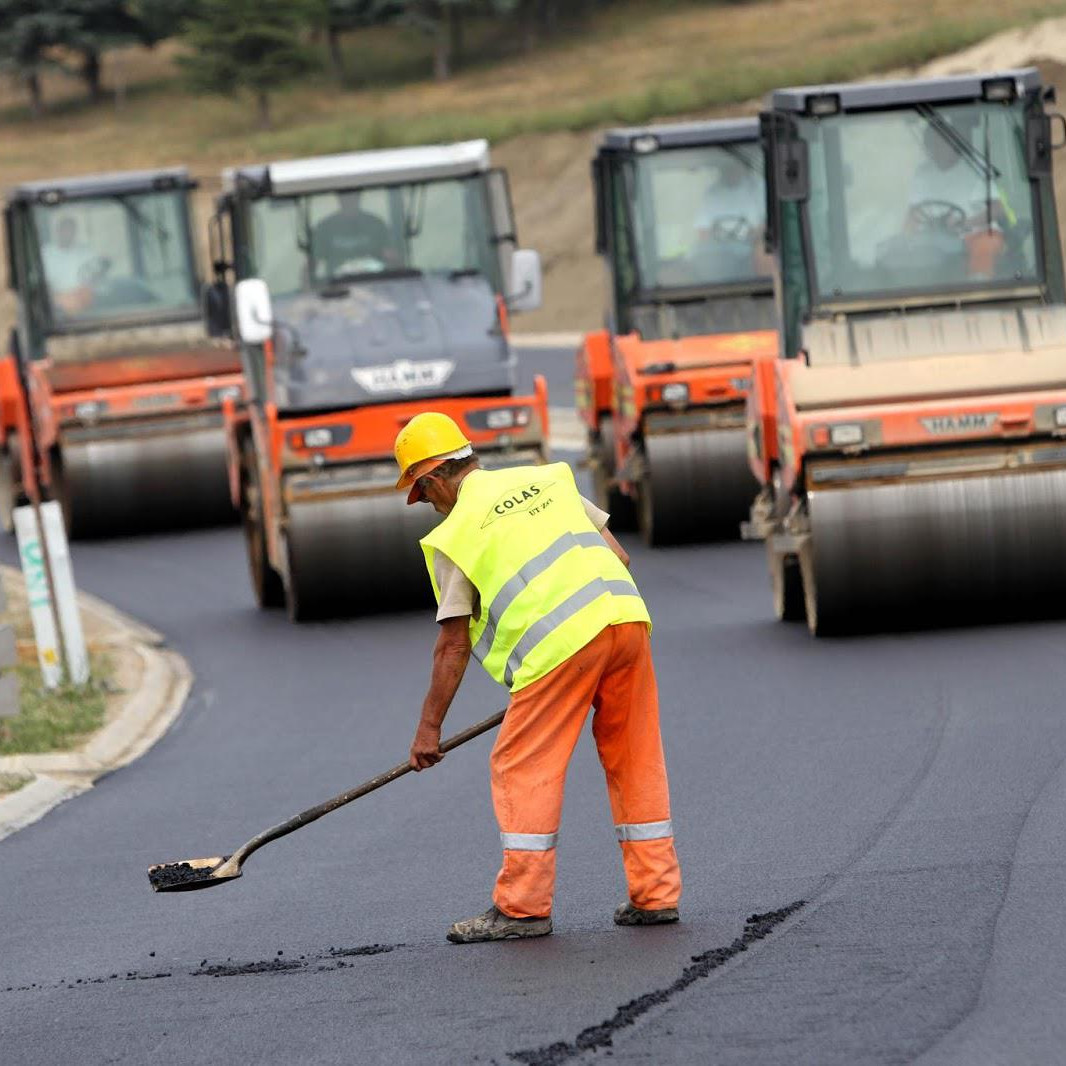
column 495, row 925
column 627, row 914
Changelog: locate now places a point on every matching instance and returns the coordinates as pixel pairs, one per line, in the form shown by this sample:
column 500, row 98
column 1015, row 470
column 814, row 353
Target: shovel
column 190, row 874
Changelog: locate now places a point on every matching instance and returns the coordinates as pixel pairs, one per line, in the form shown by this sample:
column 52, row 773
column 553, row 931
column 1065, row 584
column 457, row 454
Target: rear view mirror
column 214, row 306
column 1040, row 142
column 255, row 315
column 527, row 283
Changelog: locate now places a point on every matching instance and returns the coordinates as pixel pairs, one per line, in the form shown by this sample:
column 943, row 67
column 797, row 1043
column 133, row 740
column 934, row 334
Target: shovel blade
column 188, row 875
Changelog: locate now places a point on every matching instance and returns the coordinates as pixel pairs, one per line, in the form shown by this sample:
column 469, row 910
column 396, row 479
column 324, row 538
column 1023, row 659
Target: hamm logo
column 518, row 501
column 948, row 425
column 404, row 376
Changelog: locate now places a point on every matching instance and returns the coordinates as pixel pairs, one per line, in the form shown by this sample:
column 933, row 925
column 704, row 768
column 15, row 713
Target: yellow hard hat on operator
column 428, row 440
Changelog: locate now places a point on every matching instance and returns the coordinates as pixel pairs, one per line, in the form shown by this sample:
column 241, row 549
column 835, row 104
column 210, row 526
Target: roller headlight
column 320, row 437
column 1060, row 417
column 500, row 418
column 675, row 394
column 90, row 410
column 846, row 434
column 225, row 392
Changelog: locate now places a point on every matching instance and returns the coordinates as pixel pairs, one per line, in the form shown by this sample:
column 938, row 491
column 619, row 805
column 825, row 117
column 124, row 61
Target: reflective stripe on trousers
column 513, row 588
column 644, row 830
column 529, row 841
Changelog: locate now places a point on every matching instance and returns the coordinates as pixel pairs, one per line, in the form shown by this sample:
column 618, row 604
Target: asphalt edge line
column 147, row 713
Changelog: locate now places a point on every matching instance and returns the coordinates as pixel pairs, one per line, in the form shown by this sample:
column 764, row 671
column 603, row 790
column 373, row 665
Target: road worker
column 528, row 579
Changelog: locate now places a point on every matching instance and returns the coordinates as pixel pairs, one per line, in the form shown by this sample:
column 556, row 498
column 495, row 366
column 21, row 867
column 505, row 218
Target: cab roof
column 353, row 170
column 682, row 134
column 865, row 96
column 95, row 185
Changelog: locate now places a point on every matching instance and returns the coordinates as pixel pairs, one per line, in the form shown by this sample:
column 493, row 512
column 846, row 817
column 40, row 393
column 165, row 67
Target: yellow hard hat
column 423, row 444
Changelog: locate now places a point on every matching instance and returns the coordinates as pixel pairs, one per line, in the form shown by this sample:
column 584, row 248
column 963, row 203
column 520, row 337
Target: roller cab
column 368, row 287
column 680, row 213
column 919, row 409
column 111, row 389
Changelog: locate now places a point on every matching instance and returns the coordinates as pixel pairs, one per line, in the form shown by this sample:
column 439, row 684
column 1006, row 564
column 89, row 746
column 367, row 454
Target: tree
column 35, row 35
column 101, row 24
column 30, row 33
column 344, row 15
column 251, row 45
column 443, row 20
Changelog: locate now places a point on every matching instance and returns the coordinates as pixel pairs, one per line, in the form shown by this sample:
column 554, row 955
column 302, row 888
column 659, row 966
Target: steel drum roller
column 158, row 481
column 697, row 486
column 357, row 554
column 943, row 546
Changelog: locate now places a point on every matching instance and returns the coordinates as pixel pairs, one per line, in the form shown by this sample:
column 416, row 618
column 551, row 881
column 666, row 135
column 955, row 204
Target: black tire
column 608, row 496
column 266, row 581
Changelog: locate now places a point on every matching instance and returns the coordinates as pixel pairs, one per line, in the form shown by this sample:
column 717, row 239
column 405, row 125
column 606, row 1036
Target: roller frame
column 349, row 541
column 132, row 478
column 608, row 493
column 694, row 485
column 920, row 549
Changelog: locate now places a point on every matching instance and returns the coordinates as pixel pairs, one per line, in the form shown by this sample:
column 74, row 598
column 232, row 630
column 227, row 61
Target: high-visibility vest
column 547, row 580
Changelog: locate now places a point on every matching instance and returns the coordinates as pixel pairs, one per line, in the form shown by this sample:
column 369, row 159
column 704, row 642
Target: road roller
column 918, row 466
column 679, row 218
column 109, row 369
column 367, row 287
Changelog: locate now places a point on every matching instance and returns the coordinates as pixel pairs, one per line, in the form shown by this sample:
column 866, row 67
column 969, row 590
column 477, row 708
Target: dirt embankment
column 553, row 193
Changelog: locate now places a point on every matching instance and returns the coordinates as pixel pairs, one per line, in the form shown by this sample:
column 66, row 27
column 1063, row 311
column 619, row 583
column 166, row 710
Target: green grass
column 13, row 782
column 53, row 719
column 712, row 87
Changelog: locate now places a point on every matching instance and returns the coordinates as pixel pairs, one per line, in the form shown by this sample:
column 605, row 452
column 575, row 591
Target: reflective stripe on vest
column 543, row 627
column 537, row 565
column 529, row 841
column 644, row 830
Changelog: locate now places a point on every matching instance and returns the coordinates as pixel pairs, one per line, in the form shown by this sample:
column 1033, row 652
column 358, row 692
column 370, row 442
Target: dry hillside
column 692, row 51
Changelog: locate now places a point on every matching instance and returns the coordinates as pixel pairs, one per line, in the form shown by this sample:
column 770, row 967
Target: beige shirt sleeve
column 597, row 517
column 458, row 597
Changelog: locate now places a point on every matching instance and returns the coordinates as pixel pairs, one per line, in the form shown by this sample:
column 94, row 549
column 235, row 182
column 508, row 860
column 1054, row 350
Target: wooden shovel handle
column 314, row 813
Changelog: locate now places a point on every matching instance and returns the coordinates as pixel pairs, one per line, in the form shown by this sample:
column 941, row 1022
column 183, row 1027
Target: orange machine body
column 718, row 371
column 368, row 435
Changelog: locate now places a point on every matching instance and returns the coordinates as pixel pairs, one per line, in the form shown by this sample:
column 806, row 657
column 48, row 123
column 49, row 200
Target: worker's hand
column 425, row 750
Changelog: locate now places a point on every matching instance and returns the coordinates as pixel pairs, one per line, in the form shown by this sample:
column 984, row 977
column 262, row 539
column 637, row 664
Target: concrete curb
column 146, row 715
column 546, row 340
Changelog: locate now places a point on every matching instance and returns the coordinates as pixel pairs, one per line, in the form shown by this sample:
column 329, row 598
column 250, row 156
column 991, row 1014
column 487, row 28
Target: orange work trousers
column 614, row 675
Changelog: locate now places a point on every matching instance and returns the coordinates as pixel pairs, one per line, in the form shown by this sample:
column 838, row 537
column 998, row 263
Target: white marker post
column 55, row 537
column 34, row 540
column 31, row 554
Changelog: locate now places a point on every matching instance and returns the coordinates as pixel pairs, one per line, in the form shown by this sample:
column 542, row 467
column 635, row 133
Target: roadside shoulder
column 144, row 713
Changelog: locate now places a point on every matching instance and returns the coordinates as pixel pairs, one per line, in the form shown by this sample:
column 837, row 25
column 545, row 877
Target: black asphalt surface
column 894, row 806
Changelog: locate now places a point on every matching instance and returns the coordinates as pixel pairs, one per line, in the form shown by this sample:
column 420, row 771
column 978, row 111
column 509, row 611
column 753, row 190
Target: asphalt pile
column 173, row 874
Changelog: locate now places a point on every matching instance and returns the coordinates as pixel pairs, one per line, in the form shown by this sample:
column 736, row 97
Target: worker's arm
column 450, row 657
column 615, row 546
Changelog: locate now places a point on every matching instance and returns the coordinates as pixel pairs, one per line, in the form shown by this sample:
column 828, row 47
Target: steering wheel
column 732, row 228
column 938, row 216
column 94, row 270
column 364, row 264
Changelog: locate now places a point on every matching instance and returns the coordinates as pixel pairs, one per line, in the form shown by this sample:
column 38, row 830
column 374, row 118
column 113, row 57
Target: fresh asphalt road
column 909, row 788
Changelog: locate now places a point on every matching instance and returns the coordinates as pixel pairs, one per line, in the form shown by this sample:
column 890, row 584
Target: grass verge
column 54, row 719
column 13, row 782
